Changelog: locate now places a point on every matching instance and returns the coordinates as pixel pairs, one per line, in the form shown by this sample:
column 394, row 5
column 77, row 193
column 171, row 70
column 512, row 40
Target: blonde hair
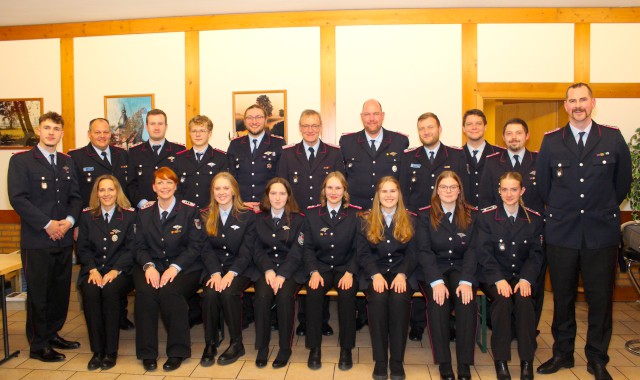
column 343, row 181
column 518, row 177
column 402, row 230
column 121, row 199
column 213, row 213
column 462, row 213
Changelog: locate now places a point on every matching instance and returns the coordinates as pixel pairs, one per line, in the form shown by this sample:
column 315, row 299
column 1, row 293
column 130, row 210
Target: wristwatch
column 147, row 266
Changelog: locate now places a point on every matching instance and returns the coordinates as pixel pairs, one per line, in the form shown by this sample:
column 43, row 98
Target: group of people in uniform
column 369, row 214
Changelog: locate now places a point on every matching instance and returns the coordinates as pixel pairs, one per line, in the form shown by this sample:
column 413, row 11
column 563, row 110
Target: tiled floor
column 418, row 360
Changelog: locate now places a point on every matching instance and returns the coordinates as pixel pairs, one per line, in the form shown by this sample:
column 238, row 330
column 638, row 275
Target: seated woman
column 330, row 258
column 169, row 239
column 105, row 253
column 226, row 255
column 278, row 258
column 449, row 265
column 386, row 252
column 508, row 238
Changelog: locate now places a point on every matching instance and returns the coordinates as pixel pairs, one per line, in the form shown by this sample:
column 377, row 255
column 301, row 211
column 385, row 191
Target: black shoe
column 315, row 358
column 346, row 360
column 109, row 361
column 95, row 362
column 301, row 330
column 446, row 371
column 172, row 363
column 360, row 324
column 149, row 364
column 59, row 342
column 326, row 329
column 231, row 354
column 464, row 372
column 209, row 355
column 397, row 370
column 598, row 370
column 526, row 370
column 416, row 334
column 281, row 359
column 47, row 355
column 261, row 359
column 126, row 324
column 554, row 364
column 502, row 370
column 380, row 371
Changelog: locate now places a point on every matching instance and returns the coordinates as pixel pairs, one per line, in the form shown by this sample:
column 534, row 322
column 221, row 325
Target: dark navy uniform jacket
column 39, row 194
column 90, row 166
column 330, row 244
column 388, row 256
column 446, row 248
column 280, row 248
column 232, row 249
column 178, row 241
column 418, row 176
column 251, row 173
column 195, row 178
column 143, row 162
column 306, row 180
column 364, row 169
column 475, row 170
column 106, row 247
column 500, row 163
column 583, row 192
column 508, row 251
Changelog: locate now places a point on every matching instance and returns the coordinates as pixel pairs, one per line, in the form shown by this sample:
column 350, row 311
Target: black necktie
column 106, row 218
column 475, row 156
column 156, row 149
column 312, row 156
column 198, row 157
column 373, row 146
column 512, row 219
column 164, row 216
column 517, row 164
column 448, row 216
column 276, row 221
column 53, row 161
column 333, row 214
column 431, row 158
column 581, row 142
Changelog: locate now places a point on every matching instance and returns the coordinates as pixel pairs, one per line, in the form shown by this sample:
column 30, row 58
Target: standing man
column 371, row 154
column 197, row 166
column 43, row 190
column 253, row 158
column 92, row 161
column 305, row 165
column 474, row 125
column 584, row 173
column 146, row 158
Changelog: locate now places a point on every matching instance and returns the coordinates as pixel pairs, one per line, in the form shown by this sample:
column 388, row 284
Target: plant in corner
column 634, row 193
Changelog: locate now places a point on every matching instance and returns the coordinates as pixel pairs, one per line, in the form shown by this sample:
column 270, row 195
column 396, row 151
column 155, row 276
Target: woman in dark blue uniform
column 105, row 252
column 386, row 252
column 508, row 238
column 330, row 259
column 169, row 238
column 278, row 258
column 449, row 265
column 226, row 255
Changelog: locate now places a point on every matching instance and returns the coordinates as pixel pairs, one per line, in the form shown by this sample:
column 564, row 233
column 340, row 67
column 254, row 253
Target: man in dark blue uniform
column 96, row 159
column 305, row 165
column 474, row 125
column 43, row 190
column 584, row 173
column 197, row 166
column 146, row 158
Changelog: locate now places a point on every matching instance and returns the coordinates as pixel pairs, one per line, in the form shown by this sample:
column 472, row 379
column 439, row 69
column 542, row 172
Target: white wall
column 258, row 60
column 615, row 53
column 127, row 65
column 28, row 69
column 410, row 69
column 621, row 113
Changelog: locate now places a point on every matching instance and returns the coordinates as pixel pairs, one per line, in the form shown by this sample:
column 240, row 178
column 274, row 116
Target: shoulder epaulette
column 332, row 145
column 219, row 150
column 474, row 208
column 500, row 147
column 204, row 210
column 494, row 154
column 175, row 143
column 288, row 146
column 21, row 152
column 455, row 147
column 301, row 214
column 86, row 209
column 313, row 206
column 553, row 131
column 611, row 127
column 412, row 213
column 424, row 208
column 410, row 149
column 348, row 133
column 129, row 209
column 76, row 149
column 355, row 206
column 237, row 137
column 115, row 147
column 188, row 203
column 256, row 212
column 276, row 136
column 490, row 208
column 147, row 205
column 182, row 152
column 532, row 211
column 64, row 154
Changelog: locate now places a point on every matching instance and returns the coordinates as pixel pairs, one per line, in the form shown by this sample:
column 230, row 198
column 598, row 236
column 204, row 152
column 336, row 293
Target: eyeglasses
column 258, row 117
column 448, row 188
column 199, row 131
column 310, row 126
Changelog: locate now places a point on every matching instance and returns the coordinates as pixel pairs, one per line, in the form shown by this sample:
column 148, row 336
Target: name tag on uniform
column 416, row 166
column 88, row 169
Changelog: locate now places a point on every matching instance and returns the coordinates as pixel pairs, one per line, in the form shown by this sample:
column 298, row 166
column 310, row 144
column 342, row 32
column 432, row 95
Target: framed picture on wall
column 18, row 120
column 127, row 115
column 273, row 101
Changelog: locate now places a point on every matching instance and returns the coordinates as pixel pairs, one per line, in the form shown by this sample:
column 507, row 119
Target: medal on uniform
column 269, row 165
column 114, row 238
column 182, row 179
column 44, row 185
column 171, row 158
column 502, row 246
column 394, row 168
column 559, row 172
